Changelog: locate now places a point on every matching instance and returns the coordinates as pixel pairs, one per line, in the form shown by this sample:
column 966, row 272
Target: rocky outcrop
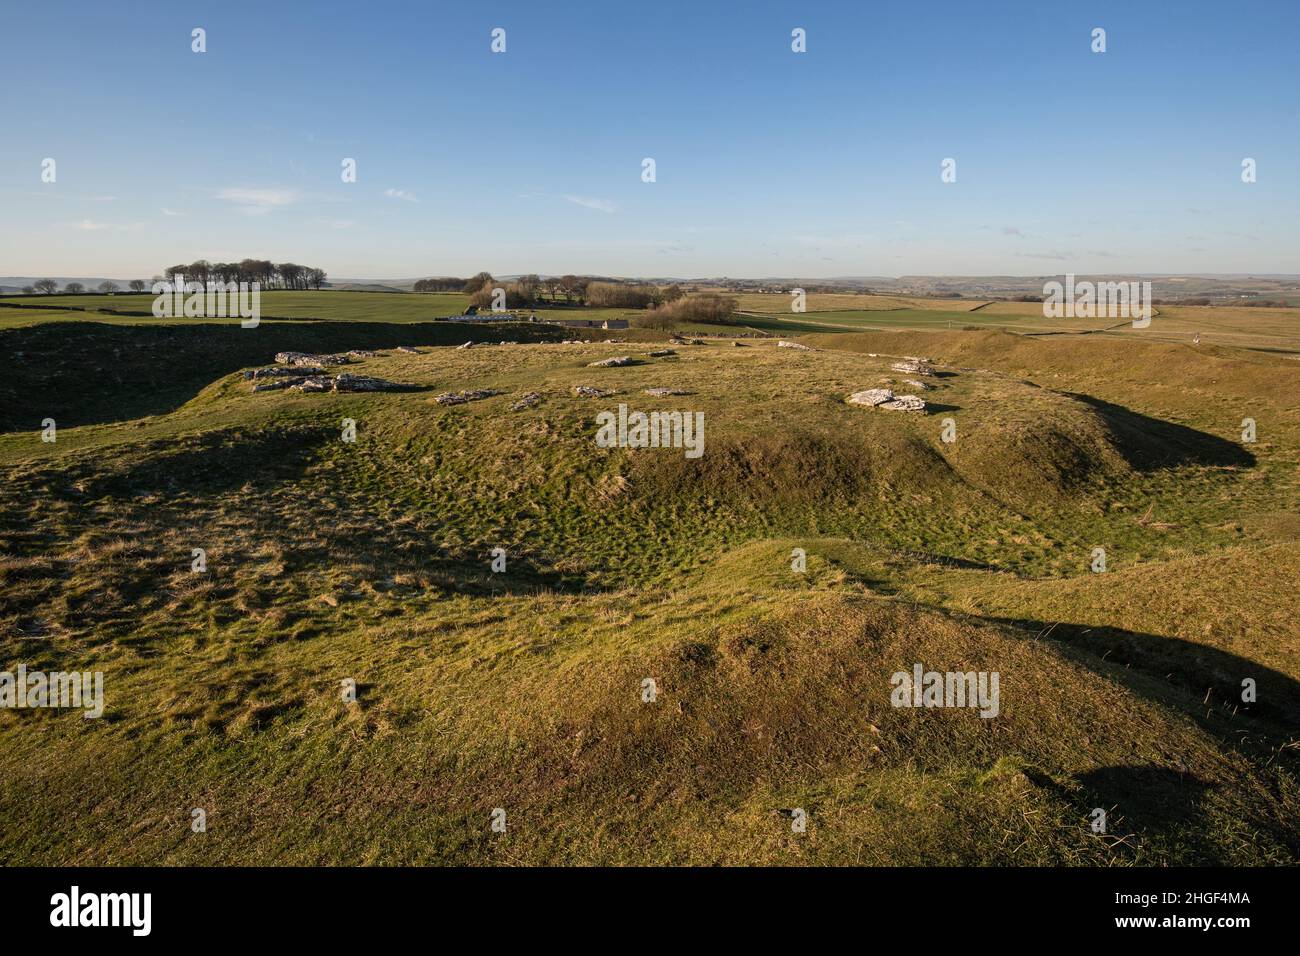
column 283, row 371
column 344, row 382
column 306, row 358
column 528, row 400
column 885, row 398
column 661, row 353
column 460, row 398
column 912, row 367
column 347, row 382
column 871, row 397
column 615, row 362
column 783, row 344
column 662, row 392
column 409, row 350
column 589, row 391
column 905, row 403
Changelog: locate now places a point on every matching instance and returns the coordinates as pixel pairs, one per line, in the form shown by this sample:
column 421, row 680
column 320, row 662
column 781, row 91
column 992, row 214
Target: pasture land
column 330, row 561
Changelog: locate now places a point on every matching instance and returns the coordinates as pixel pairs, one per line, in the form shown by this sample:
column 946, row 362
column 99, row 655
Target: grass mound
column 371, row 562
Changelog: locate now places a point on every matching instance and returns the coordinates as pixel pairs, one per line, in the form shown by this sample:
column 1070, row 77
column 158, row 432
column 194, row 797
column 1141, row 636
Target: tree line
column 267, row 274
column 108, row 287
column 534, row 290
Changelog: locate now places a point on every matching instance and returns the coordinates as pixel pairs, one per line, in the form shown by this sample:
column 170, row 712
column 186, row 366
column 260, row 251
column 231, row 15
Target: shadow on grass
column 1145, row 801
column 1203, row 682
column 1148, row 444
column 90, row 373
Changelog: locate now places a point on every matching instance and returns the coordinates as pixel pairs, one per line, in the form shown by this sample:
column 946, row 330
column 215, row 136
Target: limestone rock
column 283, row 371
column 660, row 353
column 611, row 362
column 794, row 345
column 314, row 383
column 588, row 391
column 346, row 382
column 905, row 403
column 661, row 392
column 529, row 400
column 871, row 397
column 460, row 398
column 306, row 358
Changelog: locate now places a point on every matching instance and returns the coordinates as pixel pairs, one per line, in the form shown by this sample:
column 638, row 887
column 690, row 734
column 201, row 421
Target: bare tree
column 316, row 278
column 46, row 286
column 478, row 282
column 136, row 285
column 108, row 287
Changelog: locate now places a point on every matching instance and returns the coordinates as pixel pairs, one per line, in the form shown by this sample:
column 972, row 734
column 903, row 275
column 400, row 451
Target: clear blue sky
column 769, row 162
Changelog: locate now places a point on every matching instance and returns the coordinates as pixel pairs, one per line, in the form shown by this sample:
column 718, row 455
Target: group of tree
column 708, row 307
column 531, row 291
column 107, row 287
column 267, row 274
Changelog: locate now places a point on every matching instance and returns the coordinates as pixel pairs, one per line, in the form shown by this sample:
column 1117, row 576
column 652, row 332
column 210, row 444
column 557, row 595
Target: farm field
column 327, row 305
column 371, row 561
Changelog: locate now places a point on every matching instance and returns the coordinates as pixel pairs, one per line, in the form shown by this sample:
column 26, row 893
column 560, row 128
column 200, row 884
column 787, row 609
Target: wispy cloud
column 171, row 212
column 589, row 202
column 258, row 201
column 88, row 225
column 401, row 194
column 1049, row 254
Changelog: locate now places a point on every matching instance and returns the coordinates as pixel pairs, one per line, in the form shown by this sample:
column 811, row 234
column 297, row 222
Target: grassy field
column 330, row 561
column 386, row 307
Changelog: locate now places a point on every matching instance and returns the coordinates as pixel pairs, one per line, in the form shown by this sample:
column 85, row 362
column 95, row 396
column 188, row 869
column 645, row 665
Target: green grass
column 325, row 305
column 370, row 561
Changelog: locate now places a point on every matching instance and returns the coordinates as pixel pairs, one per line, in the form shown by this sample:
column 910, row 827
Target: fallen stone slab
column 347, row 382
column 871, row 397
column 905, row 403
column 467, row 345
column 460, row 398
column 409, row 350
column 615, row 362
column 307, row 358
column 918, row 384
column 912, row 368
column 314, row 383
column 283, row 371
column 278, row 383
column 660, row 353
column 661, row 392
column 361, row 353
column 783, row 344
column 529, row 400
column 589, row 391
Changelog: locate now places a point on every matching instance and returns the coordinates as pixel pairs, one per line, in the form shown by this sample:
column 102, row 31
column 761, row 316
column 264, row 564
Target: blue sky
column 769, row 163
